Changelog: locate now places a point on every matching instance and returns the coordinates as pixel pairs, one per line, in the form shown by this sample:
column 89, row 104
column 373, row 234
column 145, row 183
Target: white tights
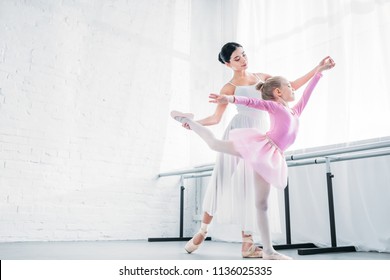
column 262, row 188
column 262, row 191
column 222, row 146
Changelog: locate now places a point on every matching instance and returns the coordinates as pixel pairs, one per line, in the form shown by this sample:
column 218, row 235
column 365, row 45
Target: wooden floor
column 144, row 250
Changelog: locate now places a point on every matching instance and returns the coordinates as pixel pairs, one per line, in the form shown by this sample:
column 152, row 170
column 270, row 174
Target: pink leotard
column 284, row 122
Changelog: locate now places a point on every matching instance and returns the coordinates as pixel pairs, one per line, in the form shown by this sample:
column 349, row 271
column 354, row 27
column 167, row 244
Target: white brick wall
column 85, row 92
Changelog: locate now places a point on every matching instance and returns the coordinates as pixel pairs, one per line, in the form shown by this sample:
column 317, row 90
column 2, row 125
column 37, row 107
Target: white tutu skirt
column 261, row 154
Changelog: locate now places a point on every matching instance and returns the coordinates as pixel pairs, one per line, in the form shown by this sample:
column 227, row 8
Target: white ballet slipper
column 179, row 116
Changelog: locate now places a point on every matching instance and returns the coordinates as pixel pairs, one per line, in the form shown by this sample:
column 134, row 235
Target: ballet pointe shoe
column 190, row 246
column 251, row 252
column 179, row 116
column 275, row 256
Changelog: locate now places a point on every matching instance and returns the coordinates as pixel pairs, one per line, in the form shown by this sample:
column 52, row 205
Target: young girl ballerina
column 229, row 195
column 264, row 152
column 230, row 189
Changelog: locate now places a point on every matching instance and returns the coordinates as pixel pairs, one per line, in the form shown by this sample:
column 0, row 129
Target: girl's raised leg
column 222, row 146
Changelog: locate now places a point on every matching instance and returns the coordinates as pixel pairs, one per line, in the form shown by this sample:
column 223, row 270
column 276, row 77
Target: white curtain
column 351, row 103
column 288, row 38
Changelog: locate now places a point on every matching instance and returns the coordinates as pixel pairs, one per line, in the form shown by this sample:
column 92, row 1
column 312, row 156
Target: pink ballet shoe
column 178, row 116
column 275, row 256
column 190, row 246
column 251, row 252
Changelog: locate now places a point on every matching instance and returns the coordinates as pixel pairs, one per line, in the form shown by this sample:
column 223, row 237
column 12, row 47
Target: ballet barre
column 338, row 158
column 336, row 151
column 187, row 171
column 184, row 174
column 204, row 171
column 326, row 157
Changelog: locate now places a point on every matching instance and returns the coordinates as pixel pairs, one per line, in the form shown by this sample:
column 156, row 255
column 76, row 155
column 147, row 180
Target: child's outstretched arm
column 298, row 83
column 298, row 108
column 221, row 98
column 241, row 100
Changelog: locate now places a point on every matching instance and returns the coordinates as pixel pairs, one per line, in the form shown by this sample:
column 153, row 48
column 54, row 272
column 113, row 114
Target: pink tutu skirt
column 262, row 154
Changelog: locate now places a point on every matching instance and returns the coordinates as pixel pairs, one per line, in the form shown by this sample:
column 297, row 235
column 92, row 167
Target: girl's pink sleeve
column 298, row 108
column 257, row 103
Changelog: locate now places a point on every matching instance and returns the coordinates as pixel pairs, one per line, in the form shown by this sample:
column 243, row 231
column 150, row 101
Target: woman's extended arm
column 215, row 118
column 304, row 79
